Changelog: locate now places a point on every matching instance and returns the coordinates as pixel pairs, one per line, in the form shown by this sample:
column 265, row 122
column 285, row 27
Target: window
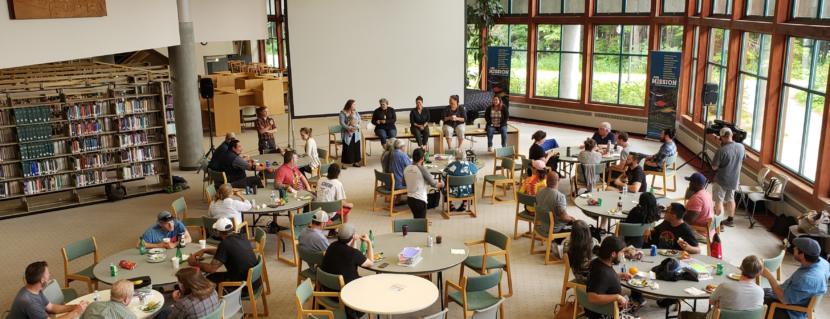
column 272, row 57
column 515, row 6
column 716, row 69
column 802, row 106
column 698, row 7
column 760, row 8
column 811, row 9
column 515, row 36
column 619, row 64
column 692, row 93
column 622, row 6
column 561, row 6
column 671, row 38
column 752, row 88
column 559, row 61
column 674, row 6
column 721, row 7
column 473, row 51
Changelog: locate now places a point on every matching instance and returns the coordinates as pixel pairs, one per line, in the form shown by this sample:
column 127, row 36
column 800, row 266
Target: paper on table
column 455, row 251
column 694, row 291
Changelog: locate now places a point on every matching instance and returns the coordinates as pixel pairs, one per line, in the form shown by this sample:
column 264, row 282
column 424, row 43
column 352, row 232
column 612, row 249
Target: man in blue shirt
column 668, row 149
column 461, row 167
column 398, row 161
column 168, row 227
column 810, row 279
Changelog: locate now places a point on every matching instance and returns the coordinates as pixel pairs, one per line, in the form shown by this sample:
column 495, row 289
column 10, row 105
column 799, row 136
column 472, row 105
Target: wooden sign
column 56, row 9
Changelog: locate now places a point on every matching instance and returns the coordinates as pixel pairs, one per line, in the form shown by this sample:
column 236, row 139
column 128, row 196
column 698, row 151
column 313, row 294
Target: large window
column 690, row 108
column 515, row 6
column 514, row 36
column 619, row 64
column 671, row 38
column 716, row 69
column 811, row 9
column 561, row 6
column 622, row 6
column 272, row 57
column 753, row 86
column 721, row 7
column 802, row 106
column 760, row 8
column 473, row 51
column 674, row 6
column 559, row 61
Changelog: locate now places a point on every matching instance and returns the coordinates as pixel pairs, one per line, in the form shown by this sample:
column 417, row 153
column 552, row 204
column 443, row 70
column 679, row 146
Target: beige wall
column 223, row 20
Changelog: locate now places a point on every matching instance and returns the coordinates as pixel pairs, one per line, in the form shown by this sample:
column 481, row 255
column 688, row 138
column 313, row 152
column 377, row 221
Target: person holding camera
column 727, row 165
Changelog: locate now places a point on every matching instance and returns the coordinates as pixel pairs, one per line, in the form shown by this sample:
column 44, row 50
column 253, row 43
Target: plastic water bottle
column 96, row 296
column 273, row 196
column 625, row 190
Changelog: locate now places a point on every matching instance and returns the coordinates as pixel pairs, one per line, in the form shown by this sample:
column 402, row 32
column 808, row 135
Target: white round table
column 135, row 304
column 389, row 294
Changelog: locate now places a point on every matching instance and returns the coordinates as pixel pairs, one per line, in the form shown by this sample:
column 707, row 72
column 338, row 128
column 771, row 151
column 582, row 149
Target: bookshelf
column 63, row 145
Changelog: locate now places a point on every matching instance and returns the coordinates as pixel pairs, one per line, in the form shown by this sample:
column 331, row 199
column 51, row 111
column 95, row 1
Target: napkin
column 694, row 291
column 457, row 251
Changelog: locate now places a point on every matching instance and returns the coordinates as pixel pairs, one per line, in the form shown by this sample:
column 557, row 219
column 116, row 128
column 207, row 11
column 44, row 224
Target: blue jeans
column 384, row 134
column 492, row 130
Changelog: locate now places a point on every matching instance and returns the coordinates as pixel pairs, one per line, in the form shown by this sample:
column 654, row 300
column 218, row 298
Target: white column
column 570, row 73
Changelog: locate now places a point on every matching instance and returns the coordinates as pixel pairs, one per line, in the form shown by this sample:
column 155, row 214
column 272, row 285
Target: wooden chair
column 254, row 274
column 78, row 249
column 610, row 309
column 503, row 176
column 416, row 225
column 335, row 142
column 714, row 223
column 454, row 181
column 771, row 264
column 210, row 193
column 543, row 232
column 508, row 152
column 808, row 310
column 313, row 259
column 440, row 315
column 526, row 164
column 582, row 173
column 567, row 282
column 328, row 293
column 217, row 177
column 719, row 313
column 624, row 230
column 304, row 293
column 669, row 169
column 482, row 264
column 57, row 295
column 471, row 293
column 330, row 207
column 523, row 214
column 491, row 312
column 260, row 238
column 297, row 222
column 385, row 186
column 179, row 210
column 319, row 173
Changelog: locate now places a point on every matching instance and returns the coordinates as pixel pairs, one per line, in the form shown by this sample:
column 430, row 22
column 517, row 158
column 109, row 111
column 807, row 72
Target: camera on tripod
column 738, row 135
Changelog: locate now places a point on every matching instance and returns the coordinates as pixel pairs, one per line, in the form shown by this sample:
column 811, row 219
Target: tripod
column 702, row 155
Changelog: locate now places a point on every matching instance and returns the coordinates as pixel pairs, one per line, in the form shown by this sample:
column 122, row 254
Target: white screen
column 369, row 49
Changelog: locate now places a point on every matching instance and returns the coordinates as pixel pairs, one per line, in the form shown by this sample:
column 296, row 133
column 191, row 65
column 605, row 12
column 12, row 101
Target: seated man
column 461, row 167
column 603, row 280
column 343, row 258
column 624, row 148
column 220, row 150
column 312, row 238
column 398, row 161
column 384, row 118
column 699, row 207
column 810, row 279
column 654, row 162
column 266, row 128
column 744, row 294
column 30, row 303
column 166, row 227
column 634, row 179
column 603, row 135
column 673, row 232
column 234, row 164
column 550, row 199
column 289, row 175
column 234, row 252
column 115, row 308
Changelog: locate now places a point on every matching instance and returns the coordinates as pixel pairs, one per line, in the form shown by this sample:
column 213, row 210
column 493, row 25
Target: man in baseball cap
column 312, row 239
column 166, row 226
column 699, row 208
column 809, row 280
column 234, row 252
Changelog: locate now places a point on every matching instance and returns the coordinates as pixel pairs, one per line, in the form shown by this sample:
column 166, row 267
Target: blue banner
column 498, row 72
column 663, row 92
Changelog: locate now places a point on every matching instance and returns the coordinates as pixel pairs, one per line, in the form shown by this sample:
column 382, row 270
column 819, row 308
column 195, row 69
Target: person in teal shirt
column 461, row 167
column 810, row 279
column 115, row 308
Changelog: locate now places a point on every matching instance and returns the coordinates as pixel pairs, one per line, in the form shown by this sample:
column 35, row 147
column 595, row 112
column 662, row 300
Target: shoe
column 344, row 166
column 729, row 222
column 356, row 165
column 489, row 149
column 634, row 310
column 462, row 208
column 452, row 208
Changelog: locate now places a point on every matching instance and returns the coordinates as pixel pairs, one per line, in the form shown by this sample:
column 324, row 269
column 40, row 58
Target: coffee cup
column 166, row 240
column 202, row 243
column 175, row 261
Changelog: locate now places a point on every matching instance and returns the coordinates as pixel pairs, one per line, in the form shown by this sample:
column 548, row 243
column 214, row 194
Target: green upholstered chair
column 57, row 295
column 418, row 225
column 305, row 293
column 453, row 181
column 669, row 170
column 254, row 274
column 328, row 293
column 472, row 292
column 384, row 187
column 491, row 312
column 610, row 309
column 210, row 193
column 313, row 259
column 543, row 232
column 738, row 314
column 216, row 314
column 335, row 142
column 503, row 176
column 496, row 256
column 773, row 265
column 233, row 303
column 522, row 214
column 297, row 222
column 260, row 238
column 330, row 207
column 193, row 225
column 78, row 249
column 440, row 315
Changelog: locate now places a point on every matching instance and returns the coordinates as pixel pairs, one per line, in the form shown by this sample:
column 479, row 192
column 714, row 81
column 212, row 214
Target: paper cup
column 166, row 240
column 202, row 243
column 175, row 261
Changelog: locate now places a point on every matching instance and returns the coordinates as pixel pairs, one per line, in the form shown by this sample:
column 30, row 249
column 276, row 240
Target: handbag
column 565, row 310
column 433, row 198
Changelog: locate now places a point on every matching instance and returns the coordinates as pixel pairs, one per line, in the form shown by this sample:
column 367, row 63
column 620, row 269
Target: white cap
column 321, row 217
column 223, row 224
column 725, row 131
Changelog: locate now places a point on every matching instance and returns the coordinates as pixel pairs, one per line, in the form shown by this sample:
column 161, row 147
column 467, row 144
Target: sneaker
column 356, row 165
column 462, row 208
column 729, row 222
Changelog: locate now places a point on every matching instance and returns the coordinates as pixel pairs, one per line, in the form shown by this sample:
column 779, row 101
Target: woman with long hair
column 646, row 212
column 350, row 132
column 580, row 250
column 196, row 296
column 229, row 203
column 310, row 151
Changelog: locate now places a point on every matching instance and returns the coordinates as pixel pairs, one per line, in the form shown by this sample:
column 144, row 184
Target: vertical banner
column 663, row 92
column 498, row 72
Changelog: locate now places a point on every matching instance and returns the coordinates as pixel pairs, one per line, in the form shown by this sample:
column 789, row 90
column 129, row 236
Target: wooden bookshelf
column 69, row 131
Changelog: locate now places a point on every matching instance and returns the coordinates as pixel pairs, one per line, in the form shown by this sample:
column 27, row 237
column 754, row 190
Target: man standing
column 668, row 149
column 234, row 252
column 30, row 303
column 115, row 308
column 810, row 279
column 235, row 165
column 417, row 178
column 166, row 227
column 266, row 128
column 312, row 238
column 727, row 165
column 383, row 118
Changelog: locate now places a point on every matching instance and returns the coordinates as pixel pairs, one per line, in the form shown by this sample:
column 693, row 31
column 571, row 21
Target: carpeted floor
column 537, row 287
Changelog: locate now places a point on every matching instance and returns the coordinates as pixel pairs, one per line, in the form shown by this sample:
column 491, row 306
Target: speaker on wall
column 710, row 93
column 206, row 88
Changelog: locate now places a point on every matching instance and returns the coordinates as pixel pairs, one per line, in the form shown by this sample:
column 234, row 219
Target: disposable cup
column 202, row 243
column 175, row 261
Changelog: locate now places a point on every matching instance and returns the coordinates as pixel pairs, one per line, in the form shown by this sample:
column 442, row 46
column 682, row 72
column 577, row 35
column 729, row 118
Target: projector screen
column 371, row 49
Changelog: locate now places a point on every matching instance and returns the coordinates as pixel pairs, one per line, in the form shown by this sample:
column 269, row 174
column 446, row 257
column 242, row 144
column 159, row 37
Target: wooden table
column 135, row 303
column 389, row 294
column 473, row 131
column 369, row 135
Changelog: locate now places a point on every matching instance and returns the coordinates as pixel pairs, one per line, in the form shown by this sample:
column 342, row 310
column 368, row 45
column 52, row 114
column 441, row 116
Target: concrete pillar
column 570, row 74
column 185, row 93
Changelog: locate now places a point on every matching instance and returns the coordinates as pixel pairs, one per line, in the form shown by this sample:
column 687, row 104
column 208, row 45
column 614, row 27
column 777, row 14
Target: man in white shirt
column 331, row 189
column 417, row 178
column 229, row 204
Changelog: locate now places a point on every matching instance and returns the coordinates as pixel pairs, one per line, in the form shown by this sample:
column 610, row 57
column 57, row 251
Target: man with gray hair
column 727, row 165
column 383, row 118
column 603, row 135
column 115, row 308
column 397, row 161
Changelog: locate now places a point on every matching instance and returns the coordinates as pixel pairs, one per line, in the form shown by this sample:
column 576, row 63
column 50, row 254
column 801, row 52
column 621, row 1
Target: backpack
column 774, row 190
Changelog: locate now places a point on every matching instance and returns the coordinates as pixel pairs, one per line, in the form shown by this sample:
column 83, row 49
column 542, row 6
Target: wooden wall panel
column 56, row 9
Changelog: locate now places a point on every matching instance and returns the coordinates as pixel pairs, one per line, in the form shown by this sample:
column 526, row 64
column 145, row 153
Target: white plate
column 640, row 283
column 155, row 251
column 734, row 276
column 155, row 258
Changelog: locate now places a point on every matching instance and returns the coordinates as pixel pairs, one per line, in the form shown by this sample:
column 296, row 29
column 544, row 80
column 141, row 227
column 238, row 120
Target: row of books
column 32, row 115
column 8, row 153
column 138, row 170
column 42, row 167
column 10, row 170
column 90, row 178
column 133, row 122
column 138, row 154
column 85, row 110
column 4, row 190
column 88, row 161
column 171, row 116
column 30, row 133
column 44, row 184
column 5, row 117
column 133, row 139
column 40, row 149
column 88, row 144
column 89, row 127
column 132, row 105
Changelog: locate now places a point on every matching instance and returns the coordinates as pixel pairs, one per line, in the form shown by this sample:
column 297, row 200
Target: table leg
column 440, row 277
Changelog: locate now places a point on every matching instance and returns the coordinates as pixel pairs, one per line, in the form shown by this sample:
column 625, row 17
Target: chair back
column 207, row 223
column 53, row 292
column 301, row 221
column 465, row 180
column 773, row 265
column 179, row 208
column 484, row 282
column 762, row 175
column 323, row 154
column 312, row 258
column 588, row 174
column 260, row 239
column 632, row 230
column 419, row 225
column 216, row 314
column 255, row 273
column 304, row 292
column 329, row 281
column 328, row 207
column 334, row 130
column 233, row 302
column 543, row 222
column 526, row 164
column 440, row 315
column 508, row 152
column 323, row 171
column 670, row 161
column 491, row 312
column 739, row 314
column 567, row 261
column 210, row 192
column 507, row 164
column 495, row 238
column 609, row 309
column 217, row 177
column 387, row 180
column 526, row 199
column 80, row 248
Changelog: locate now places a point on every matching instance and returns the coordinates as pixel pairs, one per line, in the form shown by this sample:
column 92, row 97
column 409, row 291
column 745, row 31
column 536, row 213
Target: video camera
column 738, row 135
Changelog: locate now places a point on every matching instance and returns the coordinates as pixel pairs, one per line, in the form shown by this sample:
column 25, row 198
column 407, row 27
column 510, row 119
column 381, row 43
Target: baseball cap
column 725, row 131
column 697, row 178
column 320, row 217
column 346, row 232
column 223, row 224
column 164, row 216
column 808, row 246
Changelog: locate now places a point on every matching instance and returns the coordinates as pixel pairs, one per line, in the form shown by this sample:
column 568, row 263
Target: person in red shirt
column 289, row 175
column 699, row 208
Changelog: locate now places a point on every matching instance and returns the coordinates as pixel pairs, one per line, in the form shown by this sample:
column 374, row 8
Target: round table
column 609, row 202
column 389, row 294
column 161, row 273
column 276, row 158
column 574, row 151
column 135, row 303
column 263, row 196
column 436, row 167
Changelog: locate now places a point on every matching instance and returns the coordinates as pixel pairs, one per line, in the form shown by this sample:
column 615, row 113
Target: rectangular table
column 473, row 131
column 434, row 134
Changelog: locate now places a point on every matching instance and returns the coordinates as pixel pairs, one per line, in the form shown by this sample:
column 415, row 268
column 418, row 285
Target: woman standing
column 350, row 131
column 455, row 120
column 196, row 296
column 310, row 151
column 419, row 119
column 496, row 116
column 226, row 206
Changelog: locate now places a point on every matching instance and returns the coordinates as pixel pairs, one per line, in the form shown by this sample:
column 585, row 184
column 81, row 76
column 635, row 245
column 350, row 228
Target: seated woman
column 196, row 296
column 461, row 167
column 496, row 116
column 580, row 249
column 538, row 153
column 229, row 203
column 532, row 184
column 646, row 212
column 455, row 120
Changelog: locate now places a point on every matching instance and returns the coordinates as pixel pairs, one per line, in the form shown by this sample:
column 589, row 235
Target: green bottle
column 142, row 249
column 371, row 237
column 363, row 247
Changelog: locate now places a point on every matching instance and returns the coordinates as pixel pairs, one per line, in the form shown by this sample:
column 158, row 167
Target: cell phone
column 383, row 265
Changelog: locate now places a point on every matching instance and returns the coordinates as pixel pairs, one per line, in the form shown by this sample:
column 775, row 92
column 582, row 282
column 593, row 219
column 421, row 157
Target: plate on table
column 734, row 276
column 305, row 197
column 151, row 306
column 639, row 283
column 155, row 251
column 669, row 252
column 155, row 258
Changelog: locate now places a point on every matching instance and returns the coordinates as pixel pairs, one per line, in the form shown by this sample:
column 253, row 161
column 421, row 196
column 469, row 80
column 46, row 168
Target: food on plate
column 125, row 264
column 638, row 282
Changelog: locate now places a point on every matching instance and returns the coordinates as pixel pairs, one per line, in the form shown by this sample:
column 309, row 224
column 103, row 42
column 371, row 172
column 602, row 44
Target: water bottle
column 142, row 249
column 273, row 196
column 96, row 296
column 619, row 205
column 430, row 241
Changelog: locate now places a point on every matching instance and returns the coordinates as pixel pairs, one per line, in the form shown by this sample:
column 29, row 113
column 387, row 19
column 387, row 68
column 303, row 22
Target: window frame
column 664, row 13
column 767, row 8
column 759, row 108
column 560, row 52
column 526, row 51
column 507, row 12
column 817, row 19
column 561, row 13
column 729, row 9
column 620, row 55
column 622, row 10
column 690, row 109
column 720, row 106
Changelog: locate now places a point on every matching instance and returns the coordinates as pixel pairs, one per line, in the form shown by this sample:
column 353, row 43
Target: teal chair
column 417, row 225
column 523, row 201
column 773, row 265
column 305, row 293
column 179, row 210
column 471, row 293
column 334, row 140
column 330, row 207
column 506, row 152
column 669, row 170
column 736, row 314
column 322, row 171
column 57, row 295
column 808, row 310
column 298, row 222
column 210, row 234
column 254, row 275
column 491, row 259
column 503, row 176
column 313, row 259
column 328, row 293
column 455, row 181
column 210, row 193
column 440, row 315
column 78, row 249
column 218, row 313
column 625, row 230
column 609, row 309
column 384, row 187
column 260, row 238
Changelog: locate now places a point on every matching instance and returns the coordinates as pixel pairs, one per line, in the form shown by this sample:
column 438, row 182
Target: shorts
column 458, row 129
column 720, row 194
